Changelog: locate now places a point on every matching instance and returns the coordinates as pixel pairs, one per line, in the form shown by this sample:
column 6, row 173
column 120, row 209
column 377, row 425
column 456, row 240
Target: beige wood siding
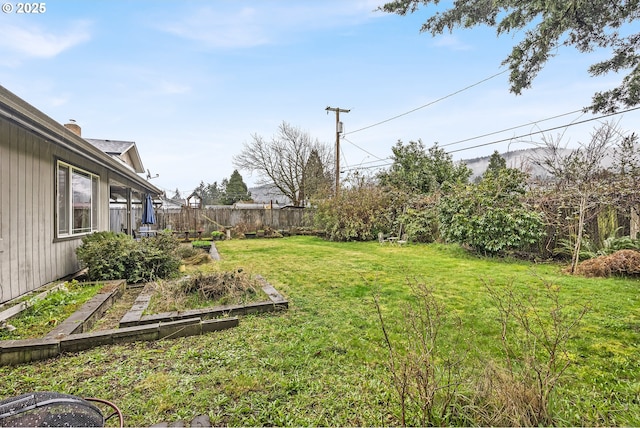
column 31, row 143
column 5, row 278
column 30, row 255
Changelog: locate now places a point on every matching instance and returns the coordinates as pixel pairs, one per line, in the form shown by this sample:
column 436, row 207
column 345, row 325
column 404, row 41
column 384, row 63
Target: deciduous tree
column 580, row 177
column 282, row 161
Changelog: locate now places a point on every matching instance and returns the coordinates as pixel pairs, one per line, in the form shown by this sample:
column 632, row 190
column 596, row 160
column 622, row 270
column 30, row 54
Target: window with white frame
column 77, row 200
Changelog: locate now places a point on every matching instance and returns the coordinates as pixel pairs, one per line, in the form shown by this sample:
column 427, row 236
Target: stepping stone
column 201, row 421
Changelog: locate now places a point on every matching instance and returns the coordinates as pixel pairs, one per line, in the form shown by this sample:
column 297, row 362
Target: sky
column 191, row 82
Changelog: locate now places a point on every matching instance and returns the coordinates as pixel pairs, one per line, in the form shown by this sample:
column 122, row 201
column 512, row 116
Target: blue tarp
column 148, row 214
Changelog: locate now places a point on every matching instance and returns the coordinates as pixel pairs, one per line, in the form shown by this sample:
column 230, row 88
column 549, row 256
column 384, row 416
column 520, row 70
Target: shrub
column 216, row 235
column 425, row 366
column 420, row 220
column 109, row 255
column 491, row 216
column 187, row 251
column 535, row 329
column 104, row 254
column 359, row 213
column 622, row 262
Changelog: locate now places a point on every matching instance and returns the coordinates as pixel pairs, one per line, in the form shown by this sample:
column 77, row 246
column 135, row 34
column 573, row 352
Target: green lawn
column 324, row 361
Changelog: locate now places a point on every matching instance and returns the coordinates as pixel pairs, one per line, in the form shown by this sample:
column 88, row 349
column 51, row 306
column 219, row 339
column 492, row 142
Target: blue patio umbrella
column 148, row 214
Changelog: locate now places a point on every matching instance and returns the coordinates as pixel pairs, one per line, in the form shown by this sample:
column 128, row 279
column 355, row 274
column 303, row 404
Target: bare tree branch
column 282, row 162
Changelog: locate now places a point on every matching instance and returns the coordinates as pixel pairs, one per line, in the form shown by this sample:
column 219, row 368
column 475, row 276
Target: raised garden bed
column 39, row 316
column 93, row 324
column 205, row 291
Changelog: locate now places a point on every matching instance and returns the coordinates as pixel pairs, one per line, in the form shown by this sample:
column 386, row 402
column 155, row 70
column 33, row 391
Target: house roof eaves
column 116, row 148
column 18, row 110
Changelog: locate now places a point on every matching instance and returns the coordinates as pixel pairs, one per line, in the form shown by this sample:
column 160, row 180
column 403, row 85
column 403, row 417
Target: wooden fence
column 216, row 218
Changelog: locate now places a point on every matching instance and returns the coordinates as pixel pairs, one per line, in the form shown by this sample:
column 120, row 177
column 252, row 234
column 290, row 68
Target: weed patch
column 202, row 290
column 43, row 315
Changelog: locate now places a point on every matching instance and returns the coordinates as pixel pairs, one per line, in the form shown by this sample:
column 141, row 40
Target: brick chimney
column 73, row 127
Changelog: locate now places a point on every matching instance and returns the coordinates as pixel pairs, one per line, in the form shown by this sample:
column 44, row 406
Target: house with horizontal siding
column 55, row 188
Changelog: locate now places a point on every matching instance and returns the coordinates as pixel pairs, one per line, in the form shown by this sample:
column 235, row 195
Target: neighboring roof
column 16, row 110
column 169, row 204
column 125, row 151
column 257, row 205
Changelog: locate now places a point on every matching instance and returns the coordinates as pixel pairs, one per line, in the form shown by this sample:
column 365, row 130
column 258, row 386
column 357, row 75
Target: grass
column 41, row 317
column 324, row 362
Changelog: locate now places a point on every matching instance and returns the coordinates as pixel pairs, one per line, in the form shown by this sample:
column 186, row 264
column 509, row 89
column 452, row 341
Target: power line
column 428, row 104
column 367, row 152
column 543, row 130
column 516, row 137
column 368, row 167
column 476, row 137
column 510, row 129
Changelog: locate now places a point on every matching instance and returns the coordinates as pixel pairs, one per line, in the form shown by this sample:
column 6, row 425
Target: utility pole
column 338, row 130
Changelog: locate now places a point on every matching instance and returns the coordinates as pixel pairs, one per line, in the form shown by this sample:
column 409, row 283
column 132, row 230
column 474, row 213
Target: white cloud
column 174, row 88
column 451, row 42
column 267, row 22
column 219, row 29
column 29, row 41
column 59, row 100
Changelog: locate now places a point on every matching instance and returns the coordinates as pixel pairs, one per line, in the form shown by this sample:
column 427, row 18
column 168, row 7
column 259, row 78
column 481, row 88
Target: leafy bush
column 109, row 255
column 420, row 220
column 216, row 235
column 491, row 216
column 357, row 214
column 104, row 254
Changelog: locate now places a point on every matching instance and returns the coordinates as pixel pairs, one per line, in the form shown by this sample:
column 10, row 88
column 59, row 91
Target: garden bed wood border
column 72, row 336
column 135, row 316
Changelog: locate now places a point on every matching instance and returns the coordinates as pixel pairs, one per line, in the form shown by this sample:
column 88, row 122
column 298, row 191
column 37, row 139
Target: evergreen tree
column 546, row 27
column 316, row 178
column 213, row 193
column 496, row 164
column 416, row 171
column 235, row 189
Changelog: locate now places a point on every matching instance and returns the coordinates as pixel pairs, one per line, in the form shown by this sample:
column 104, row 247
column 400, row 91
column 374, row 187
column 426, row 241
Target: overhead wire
column 555, row 128
column 428, row 104
column 512, row 128
column 519, row 136
column 366, row 151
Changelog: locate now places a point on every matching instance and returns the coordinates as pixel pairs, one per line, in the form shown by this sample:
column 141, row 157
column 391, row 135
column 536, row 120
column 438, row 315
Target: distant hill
column 266, row 194
column 519, row 159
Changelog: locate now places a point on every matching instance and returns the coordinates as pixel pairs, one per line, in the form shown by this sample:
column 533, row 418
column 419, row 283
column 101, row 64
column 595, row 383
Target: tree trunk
column 576, row 249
